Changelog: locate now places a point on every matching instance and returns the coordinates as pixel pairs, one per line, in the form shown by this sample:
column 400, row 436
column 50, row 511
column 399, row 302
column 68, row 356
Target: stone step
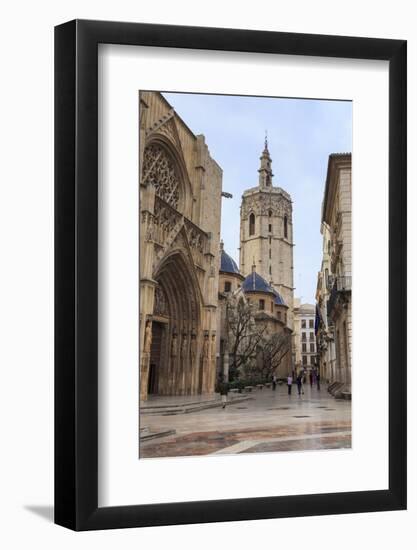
column 154, row 435
column 186, row 408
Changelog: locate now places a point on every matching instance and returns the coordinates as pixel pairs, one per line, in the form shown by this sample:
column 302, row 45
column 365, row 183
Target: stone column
column 226, row 362
column 212, row 377
column 206, row 363
column 144, row 366
column 183, row 364
column 173, row 362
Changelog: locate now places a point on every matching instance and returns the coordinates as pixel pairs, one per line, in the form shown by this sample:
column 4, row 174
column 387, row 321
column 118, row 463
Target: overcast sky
column 301, row 135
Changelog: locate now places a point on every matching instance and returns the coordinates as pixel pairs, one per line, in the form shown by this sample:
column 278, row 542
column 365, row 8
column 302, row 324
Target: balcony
column 338, row 294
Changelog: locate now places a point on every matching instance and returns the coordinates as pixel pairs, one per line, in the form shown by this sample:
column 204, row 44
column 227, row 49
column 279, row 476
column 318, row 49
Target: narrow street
column 269, row 421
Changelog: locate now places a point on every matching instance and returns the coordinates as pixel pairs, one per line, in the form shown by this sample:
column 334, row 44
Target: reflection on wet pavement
column 268, row 422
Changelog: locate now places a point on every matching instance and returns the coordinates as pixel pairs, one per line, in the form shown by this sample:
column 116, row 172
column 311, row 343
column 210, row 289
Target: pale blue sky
column 301, row 135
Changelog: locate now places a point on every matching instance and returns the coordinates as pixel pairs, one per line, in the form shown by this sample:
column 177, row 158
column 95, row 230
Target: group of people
column 314, row 377
column 300, row 380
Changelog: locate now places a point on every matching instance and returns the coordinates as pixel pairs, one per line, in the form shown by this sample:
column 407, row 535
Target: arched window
column 252, row 224
column 270, row 213
column 159, row 169
column 286, row 227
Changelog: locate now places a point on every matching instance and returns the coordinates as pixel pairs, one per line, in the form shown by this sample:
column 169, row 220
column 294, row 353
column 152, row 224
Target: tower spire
column 265, row 170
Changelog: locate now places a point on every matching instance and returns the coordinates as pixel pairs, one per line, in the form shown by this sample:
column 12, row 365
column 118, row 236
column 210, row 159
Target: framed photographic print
column 230, row 275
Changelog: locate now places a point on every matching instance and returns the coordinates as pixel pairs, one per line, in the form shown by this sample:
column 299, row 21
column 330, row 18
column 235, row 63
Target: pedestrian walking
column 318, row 380
column 274, row 382
column 289, row 382
column 311, row 379
column 299, row 381
column 224, row 390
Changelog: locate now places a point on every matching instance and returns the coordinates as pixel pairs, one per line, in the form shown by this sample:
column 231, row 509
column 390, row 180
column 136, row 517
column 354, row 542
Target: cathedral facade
column 180, row 208
column 192, row 293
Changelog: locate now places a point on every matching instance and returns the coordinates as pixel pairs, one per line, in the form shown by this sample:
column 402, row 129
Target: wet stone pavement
column 270, row 421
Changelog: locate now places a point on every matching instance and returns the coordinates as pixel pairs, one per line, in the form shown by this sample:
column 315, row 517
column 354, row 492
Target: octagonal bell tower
column 266, row 233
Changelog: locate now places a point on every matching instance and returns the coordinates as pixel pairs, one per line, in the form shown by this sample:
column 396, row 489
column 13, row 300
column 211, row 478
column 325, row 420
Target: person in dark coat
column 300, row 384
column 318, row 380
column 224, row 390
column 274, row 382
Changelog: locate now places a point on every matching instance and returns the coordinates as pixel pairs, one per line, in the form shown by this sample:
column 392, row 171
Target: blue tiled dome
column 279, row 300
column 256, row 283
column 227, row 264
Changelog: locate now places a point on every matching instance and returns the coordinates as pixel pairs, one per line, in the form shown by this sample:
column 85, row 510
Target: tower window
column 261, row 304
column 270, row 228
column 270, row 213
column 270, row 270
column 252, row 224
column 269, row 253
column 272, row 307
column 227, row 286
column 286, row 227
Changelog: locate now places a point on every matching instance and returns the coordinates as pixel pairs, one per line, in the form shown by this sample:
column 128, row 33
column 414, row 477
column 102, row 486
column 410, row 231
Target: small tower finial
column 265, row 170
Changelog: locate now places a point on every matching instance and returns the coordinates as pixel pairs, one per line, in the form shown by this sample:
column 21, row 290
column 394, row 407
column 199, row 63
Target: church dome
column 227, row 264
column 255, row 283
column 279, row 300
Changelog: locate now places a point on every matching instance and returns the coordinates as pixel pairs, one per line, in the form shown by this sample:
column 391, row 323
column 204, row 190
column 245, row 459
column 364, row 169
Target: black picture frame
column 76, row 272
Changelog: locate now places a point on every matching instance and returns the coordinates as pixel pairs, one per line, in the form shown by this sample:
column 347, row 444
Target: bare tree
column 244, row 334
column 273, row 349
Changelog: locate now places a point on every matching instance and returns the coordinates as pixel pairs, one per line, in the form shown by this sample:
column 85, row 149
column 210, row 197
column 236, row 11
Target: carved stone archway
column 176, row 326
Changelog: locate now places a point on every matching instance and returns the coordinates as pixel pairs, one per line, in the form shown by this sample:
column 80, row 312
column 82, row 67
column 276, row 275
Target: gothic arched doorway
column 174, row 360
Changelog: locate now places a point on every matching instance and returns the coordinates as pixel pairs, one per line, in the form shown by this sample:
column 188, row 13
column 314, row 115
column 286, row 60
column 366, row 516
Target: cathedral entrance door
column 155, row 358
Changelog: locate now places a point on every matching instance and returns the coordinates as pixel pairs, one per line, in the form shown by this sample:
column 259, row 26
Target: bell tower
column 266, row 233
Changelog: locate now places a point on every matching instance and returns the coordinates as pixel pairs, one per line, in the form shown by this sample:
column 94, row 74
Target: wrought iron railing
column 341, row 284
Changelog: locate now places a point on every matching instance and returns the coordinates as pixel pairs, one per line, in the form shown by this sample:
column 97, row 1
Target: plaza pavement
column 269, row 421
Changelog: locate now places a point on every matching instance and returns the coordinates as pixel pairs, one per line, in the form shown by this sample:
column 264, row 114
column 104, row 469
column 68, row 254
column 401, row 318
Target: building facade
column 305, row 339
column 337, row 219
column 180, row 208
column 326, row 351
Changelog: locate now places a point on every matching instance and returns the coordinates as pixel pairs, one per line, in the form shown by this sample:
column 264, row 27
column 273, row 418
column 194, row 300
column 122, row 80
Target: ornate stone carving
column 148, row 338
column 174, row 346
column 184, row 346
column 159, row 169
column 160, row 302
column 193, row 348
column 261, row 204
column 206, row 348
